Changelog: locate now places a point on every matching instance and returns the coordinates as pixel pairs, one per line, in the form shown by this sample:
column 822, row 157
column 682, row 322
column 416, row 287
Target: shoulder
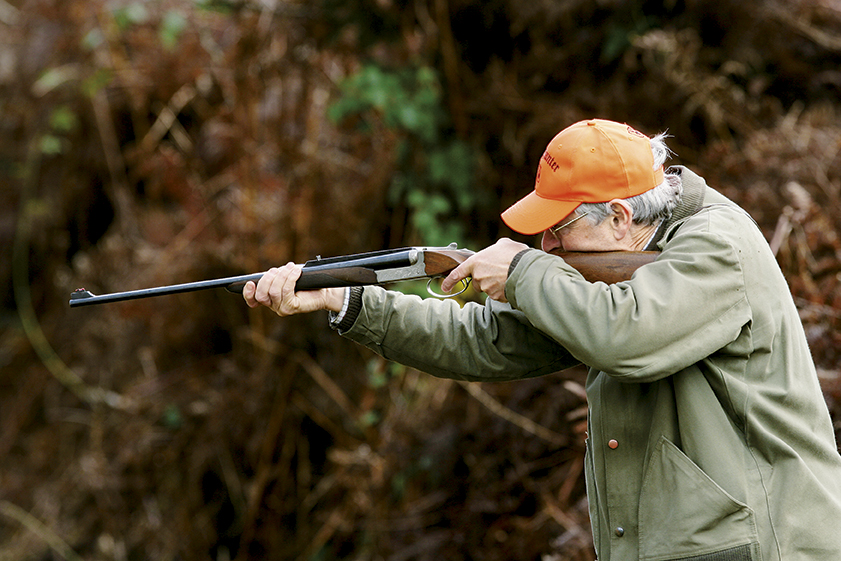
column 713, row 213
column 722, row 238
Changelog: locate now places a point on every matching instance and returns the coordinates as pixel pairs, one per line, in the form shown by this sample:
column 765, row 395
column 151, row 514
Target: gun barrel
column 82, row 297
column 347, row 270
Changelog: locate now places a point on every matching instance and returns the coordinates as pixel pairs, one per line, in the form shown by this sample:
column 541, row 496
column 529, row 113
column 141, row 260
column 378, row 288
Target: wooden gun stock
column 609, row 266
column 440, row 262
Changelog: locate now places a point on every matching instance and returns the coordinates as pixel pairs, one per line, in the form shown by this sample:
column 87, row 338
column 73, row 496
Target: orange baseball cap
column 592, row 161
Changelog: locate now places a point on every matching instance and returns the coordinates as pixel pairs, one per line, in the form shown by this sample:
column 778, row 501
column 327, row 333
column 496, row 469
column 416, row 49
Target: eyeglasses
column 554, row 231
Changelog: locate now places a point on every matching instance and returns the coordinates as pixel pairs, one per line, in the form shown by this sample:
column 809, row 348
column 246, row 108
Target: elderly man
column 709, row 439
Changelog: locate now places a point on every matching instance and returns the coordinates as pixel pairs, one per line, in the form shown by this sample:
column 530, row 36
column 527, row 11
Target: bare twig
column 315, row 371
column 512, row 416
column 26, row 311
column 167, row 121
column 114, row 159
column 265, row 465
column 37, row 527
column 333, row 523
column 451, row 60
column 8, row 13
column 818, row 36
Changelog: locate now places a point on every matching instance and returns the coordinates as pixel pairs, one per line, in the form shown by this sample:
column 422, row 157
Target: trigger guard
column 465, row 282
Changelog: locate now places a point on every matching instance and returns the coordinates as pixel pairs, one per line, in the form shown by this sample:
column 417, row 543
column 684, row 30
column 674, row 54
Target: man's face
column 581, row 235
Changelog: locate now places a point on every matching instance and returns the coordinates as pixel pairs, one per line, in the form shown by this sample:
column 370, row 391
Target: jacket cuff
column 513, row 265
column 516, row 260
column 344, row 321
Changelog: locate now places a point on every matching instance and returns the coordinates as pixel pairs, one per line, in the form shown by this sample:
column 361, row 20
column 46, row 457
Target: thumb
column 248, row 291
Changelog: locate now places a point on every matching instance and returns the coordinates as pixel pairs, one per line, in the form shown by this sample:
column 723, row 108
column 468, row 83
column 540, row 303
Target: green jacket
column 709, row 438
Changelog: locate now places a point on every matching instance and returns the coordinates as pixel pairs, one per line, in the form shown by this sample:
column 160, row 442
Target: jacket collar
column 691, row 201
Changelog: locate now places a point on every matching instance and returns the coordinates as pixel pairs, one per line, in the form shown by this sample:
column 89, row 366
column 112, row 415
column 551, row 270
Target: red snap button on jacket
column 613, row 444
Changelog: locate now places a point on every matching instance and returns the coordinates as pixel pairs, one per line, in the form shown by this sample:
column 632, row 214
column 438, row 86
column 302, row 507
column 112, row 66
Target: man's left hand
column 488, row 269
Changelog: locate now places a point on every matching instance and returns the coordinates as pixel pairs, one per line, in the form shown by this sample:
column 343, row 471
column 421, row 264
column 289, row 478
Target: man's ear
column 621, row 218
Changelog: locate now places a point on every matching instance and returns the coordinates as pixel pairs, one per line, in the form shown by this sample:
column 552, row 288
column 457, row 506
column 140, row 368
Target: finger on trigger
column 452, row 279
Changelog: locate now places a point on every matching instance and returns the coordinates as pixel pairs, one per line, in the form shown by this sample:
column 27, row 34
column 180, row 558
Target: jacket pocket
column 685, row 515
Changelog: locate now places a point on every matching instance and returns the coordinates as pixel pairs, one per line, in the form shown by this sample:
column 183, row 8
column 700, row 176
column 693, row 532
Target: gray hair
column 651, row 206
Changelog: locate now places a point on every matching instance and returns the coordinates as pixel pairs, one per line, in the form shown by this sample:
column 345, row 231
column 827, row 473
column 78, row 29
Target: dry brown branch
column 801, row 24
column 313, row 369
column 118, row 186
column 31, row 523
column 167, row 122
column 330, row 526
column 513, row 417
column 9, row 15
column 676, row 54
column 266, row 469
column 451, row 66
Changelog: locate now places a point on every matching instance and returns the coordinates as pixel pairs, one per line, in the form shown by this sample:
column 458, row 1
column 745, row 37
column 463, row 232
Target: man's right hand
column 276, row 290
column 488, row 269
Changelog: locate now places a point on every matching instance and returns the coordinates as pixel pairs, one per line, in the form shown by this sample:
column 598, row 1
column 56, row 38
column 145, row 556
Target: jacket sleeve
column 688, row 304
column 475, row 342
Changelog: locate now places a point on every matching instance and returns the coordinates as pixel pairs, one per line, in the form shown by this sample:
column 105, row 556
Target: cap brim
column 533, row 214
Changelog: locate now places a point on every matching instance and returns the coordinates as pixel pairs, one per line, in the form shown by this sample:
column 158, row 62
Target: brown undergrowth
column 156, row 143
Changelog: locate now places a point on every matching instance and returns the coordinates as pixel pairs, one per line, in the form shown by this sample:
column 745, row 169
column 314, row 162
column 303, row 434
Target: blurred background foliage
column 163, row 141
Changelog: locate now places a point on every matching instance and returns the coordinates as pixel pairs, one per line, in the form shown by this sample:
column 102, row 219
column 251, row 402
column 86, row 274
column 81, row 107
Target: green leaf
column 131, row 14
column 409, row 117
column 172, row 417
column 433, row 171
column 100, row 79
column 51, row 145
column 451, row 166
column 220, row 6
column 369, row 419
column 63, row 119
column 92, row 39
column 172, row 27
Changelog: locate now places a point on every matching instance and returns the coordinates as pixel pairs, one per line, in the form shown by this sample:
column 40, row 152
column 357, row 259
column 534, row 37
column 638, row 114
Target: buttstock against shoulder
column 609, row 266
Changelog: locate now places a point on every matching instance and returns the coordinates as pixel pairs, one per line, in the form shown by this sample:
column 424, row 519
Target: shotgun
column 384, row 267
